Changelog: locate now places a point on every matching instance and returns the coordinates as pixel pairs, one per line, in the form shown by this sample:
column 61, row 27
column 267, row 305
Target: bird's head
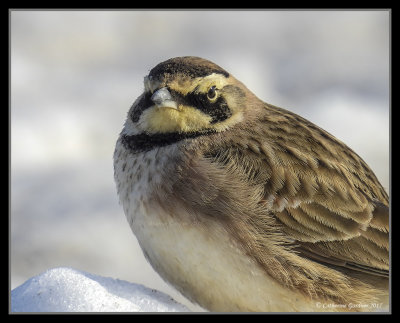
column 188, row 95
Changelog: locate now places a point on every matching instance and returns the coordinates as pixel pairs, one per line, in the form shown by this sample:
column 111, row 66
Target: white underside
column 208, row 267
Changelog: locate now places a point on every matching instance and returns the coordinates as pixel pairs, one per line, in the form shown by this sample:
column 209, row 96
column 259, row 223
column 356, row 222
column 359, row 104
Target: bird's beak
column 163, row 99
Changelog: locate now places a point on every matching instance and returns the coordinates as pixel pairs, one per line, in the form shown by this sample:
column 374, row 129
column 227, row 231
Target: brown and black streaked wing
column 324, row 195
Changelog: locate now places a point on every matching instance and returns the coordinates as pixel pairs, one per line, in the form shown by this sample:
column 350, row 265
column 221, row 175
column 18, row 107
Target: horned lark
column 244, row 206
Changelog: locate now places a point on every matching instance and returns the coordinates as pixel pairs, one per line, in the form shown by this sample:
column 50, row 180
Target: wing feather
column 322, row 193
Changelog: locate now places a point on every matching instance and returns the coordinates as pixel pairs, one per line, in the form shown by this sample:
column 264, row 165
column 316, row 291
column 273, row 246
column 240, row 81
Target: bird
column 244, row 206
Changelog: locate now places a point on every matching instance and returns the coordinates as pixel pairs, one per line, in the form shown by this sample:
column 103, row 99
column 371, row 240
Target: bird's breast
column 137, row 175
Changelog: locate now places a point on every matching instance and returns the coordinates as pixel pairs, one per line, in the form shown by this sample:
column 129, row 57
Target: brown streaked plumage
column 244, row 206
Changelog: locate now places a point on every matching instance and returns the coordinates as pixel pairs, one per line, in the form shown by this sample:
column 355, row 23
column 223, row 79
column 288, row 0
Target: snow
column 71, row 290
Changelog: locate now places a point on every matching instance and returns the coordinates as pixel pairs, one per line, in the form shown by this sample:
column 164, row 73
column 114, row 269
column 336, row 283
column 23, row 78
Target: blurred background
column 74, row 75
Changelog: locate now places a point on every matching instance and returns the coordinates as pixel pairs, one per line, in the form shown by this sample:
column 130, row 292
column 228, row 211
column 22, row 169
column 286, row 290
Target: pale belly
column 208, row 267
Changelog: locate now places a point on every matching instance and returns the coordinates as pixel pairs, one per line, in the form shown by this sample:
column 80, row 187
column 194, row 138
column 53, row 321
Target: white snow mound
column 70, row 290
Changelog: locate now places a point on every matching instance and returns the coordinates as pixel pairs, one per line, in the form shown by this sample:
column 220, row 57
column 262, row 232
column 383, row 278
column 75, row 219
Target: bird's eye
column 212, row 93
